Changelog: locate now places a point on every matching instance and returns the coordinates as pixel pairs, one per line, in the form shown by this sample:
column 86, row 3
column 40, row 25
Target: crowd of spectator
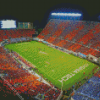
column 21, row 80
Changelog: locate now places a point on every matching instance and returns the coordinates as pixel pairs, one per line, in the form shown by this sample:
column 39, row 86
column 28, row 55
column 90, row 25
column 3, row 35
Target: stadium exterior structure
column 60, row 31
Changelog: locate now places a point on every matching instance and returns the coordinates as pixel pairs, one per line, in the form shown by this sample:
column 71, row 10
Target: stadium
column 62, row 62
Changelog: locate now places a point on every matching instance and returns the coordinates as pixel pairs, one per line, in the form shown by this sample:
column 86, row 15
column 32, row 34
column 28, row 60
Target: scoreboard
column 7, row 24
column 25, row 25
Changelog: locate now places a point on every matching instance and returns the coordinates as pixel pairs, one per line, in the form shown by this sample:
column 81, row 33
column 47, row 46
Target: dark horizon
column 38, row 12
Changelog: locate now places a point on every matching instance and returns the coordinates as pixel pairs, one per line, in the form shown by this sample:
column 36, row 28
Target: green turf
column 52, row 63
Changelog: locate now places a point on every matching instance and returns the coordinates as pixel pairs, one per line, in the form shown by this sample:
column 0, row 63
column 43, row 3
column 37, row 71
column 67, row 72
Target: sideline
column 32, row 72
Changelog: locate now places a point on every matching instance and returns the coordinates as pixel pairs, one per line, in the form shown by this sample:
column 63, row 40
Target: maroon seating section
column 16, row 33
column 73, row 35
column 16, row 74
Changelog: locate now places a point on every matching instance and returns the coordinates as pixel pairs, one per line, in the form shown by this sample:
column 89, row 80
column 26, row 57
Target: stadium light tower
column 67, row 14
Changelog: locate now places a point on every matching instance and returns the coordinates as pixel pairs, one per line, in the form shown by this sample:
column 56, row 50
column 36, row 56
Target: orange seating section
column 20, row 79
column 74, row 47
column 97, row 45
column 48, row 28
column 58, row 32
column 61, row 43
column 16, row 33
column 40, row 36
column 60, row 29
column 60, row 37
column 51, row 39
column 86, row 38
column 74, row 33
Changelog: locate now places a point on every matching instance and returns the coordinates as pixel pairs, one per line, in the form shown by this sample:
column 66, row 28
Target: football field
column 53, row 64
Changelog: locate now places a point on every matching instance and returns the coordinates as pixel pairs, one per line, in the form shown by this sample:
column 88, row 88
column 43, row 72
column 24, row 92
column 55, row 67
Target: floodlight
column 66, row 14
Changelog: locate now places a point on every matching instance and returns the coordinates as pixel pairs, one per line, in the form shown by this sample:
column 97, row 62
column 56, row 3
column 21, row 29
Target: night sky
column 37, row 11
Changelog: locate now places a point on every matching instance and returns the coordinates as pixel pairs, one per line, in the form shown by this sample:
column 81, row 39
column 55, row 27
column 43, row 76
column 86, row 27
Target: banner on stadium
column 45, row 42
column 82, row 55
column 40, row 39
column 75, row 53
column 35, row 39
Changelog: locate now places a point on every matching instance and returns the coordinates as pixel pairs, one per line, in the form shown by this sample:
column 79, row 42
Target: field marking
column 43, row 52
column 47, row 62
column 62, row 57
column 52, row 70
column 68, row 76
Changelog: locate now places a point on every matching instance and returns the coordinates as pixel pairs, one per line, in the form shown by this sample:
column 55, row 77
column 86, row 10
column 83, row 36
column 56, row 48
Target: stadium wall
column 92, row 58
column 98, row 61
